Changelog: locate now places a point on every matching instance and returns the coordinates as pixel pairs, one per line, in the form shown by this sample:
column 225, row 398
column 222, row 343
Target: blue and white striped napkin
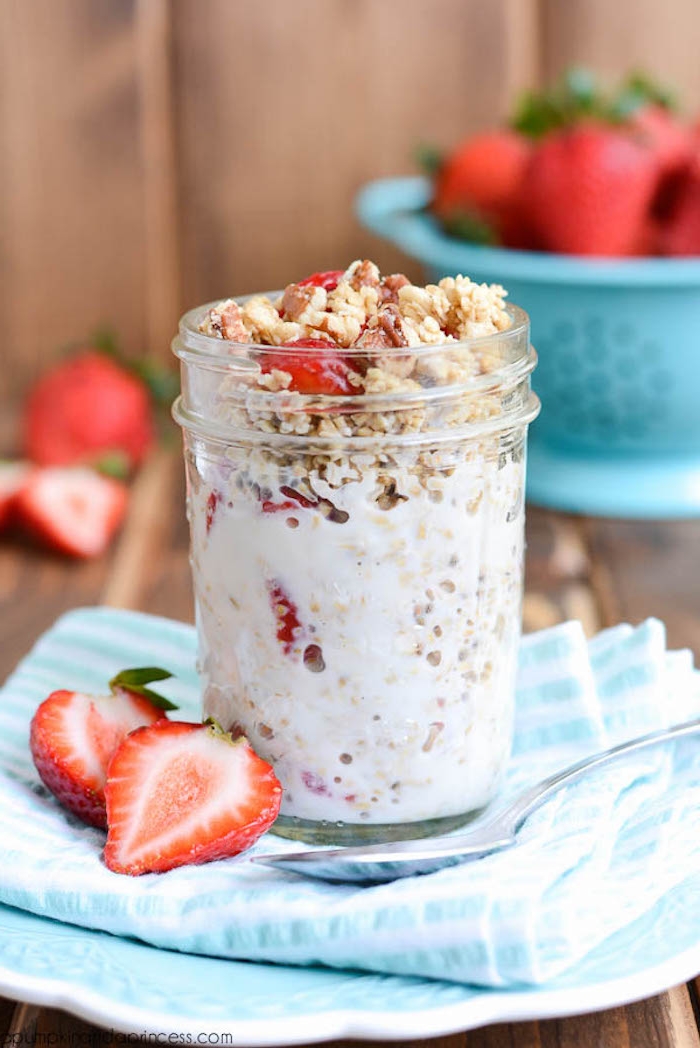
column 600, row 855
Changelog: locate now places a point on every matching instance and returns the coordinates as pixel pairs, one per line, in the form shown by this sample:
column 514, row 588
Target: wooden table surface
column 599, row 571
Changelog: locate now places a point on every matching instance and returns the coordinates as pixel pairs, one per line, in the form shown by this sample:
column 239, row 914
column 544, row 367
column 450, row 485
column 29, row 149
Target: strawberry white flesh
column 182, row 793
column 72, row 739
column 12, row 477
column 72, row 509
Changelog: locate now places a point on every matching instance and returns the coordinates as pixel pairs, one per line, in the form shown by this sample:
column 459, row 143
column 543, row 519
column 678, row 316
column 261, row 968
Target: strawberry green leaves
column 137, row 679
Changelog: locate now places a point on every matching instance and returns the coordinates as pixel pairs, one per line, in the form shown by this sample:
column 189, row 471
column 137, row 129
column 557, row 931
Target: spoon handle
column 529, row 801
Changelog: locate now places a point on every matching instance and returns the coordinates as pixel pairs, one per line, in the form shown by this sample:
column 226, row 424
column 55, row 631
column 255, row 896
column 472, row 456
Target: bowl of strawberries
column 586, row 207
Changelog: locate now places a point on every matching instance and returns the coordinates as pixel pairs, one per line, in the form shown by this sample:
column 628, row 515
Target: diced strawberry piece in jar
column 293, row 500
column 286, row 615
column 323, row 373
column 212, row 503
column 328, row 280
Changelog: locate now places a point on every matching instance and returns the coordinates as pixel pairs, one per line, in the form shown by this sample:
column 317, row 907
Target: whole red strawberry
column 73, row 737
column 180, row 794
column 588, row 189
column 85, row 408
column 480, row 181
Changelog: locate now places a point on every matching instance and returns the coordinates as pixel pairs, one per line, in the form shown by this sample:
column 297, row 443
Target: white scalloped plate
column 128, row 986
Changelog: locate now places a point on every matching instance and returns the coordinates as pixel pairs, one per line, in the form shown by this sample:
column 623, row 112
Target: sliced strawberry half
column 328, row 279
column 180, row 794
column 13, row 476
column 325, row 372
column 71, row 509
column 73, row 736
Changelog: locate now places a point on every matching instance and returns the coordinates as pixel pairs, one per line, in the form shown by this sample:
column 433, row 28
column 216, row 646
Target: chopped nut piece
column 363, row 274
column 390, row 287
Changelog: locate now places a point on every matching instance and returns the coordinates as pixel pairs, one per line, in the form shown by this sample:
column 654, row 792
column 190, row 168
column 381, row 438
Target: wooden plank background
column 158, row 153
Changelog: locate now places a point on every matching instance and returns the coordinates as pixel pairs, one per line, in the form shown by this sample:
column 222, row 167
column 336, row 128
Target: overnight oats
column 355, row 451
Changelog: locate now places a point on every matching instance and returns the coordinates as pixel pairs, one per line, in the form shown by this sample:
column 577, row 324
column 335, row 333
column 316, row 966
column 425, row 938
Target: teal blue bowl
column 619, row 360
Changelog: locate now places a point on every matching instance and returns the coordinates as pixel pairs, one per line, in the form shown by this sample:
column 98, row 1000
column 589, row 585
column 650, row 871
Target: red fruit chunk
column 84, row 408
column 292, row 494
column 180, row 794
column 325, row 372
column 72, row 739
column 12, row 478
column 286, row 615
column 328, row 280
column 212, row 503
column 71, row 509
column 277, row 507
column 589, row 189
column 315, row 784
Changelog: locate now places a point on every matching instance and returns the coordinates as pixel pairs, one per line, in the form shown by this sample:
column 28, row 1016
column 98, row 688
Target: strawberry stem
column 578, row 95
column 216, row 729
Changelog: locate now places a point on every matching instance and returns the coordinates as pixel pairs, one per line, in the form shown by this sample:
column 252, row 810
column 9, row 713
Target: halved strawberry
column 72, row 509
column 328, row 280
column 180, row 794
column 325, row 372
column 12, row 477
column 73, row 736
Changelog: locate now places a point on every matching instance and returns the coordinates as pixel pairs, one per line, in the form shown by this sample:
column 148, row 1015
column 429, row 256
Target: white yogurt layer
column 369, row 653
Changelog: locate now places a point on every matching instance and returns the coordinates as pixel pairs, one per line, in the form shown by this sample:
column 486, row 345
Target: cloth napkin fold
column 600, row 855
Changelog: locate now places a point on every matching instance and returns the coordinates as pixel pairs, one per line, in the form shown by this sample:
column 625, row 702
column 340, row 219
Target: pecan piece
column 364, row 274
column 390, row 287
column 226, row 322
column 298, row 299
column 387, row 333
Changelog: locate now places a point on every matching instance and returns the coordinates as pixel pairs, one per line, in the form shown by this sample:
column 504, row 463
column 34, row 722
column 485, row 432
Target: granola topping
column 383, row 325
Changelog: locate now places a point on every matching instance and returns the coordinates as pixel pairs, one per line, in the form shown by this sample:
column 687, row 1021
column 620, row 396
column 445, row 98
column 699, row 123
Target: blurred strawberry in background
column 71, row 509
column 477, row 187
column 88, row 409
column 578, row 171
column 681, row 232
column 588, row 190
column 88, row 423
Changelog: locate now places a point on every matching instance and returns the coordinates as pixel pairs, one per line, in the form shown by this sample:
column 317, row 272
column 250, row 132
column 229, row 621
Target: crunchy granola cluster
column 370, row 333
column 365, row 309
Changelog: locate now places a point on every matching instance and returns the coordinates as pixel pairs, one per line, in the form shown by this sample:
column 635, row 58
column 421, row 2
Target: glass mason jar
column 358, row 572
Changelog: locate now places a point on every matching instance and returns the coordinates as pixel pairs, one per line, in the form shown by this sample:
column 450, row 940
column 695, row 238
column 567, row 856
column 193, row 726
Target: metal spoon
column 388, row 862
